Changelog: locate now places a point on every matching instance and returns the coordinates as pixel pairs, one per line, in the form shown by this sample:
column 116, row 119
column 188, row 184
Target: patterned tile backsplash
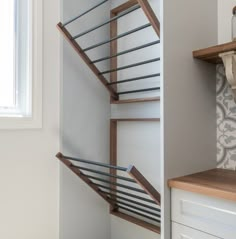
column 226, row 122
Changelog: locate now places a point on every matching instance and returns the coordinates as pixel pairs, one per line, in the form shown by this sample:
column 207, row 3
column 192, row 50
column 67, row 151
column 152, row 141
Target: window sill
column 13, row 123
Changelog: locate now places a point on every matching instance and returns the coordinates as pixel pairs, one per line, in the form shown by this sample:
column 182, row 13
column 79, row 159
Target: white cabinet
column 183, row 232
column 211, row 215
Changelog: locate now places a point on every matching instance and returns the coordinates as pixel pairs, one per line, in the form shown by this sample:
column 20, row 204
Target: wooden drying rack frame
column 113, row 48
column 136, row 175
column 132, row 173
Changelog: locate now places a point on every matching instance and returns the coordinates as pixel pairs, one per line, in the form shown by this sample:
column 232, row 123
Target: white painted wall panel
column 138, row 144
column 29, row 172
column 85, row 127
column 188, row 105
column 124, row 229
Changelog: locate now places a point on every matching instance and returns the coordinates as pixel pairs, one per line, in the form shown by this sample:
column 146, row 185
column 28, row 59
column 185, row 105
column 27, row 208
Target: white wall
column 224, row 20
column 85, row 128
column 138, row 144
column 29, row 172
column 188, row 96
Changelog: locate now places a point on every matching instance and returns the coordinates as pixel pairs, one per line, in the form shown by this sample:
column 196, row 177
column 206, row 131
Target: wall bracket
column 229, row 60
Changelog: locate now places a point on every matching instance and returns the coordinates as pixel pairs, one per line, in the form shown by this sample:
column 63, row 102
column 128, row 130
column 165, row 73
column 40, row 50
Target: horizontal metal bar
column 134, row 79
column 106, row 22
column 130, row 66
column 140, row 214
column 126, row 52
column 84, row 13
column 117, row 37
column 134, row 207
column 106, row 174
column 116, row 184
column 125, row 193
column 96, row 163
column 136, row 91
column 132, row 201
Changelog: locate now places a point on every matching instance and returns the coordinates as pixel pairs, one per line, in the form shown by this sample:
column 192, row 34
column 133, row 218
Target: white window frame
column 36, row 74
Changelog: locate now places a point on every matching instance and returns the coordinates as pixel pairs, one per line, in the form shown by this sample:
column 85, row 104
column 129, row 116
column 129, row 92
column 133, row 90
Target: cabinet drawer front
column 211, row 215
column 182, row 232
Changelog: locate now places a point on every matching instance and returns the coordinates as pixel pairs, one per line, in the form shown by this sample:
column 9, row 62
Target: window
column 20, row 63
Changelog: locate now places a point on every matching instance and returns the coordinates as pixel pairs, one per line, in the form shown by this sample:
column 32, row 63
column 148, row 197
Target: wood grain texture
column 113, row 51
column 150, row 15
column 84, row 178
column 136, row 120
column 144, row 184
column 137, row 221
column 219, row 183
column 138, row 100
column 211, row 54
column 114, row 208
column 113, row 155
column 86, row 59
column 124, row 7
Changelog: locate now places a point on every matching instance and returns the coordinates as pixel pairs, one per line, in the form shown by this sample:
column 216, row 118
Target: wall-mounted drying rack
column 130, row 196
column 113, row 82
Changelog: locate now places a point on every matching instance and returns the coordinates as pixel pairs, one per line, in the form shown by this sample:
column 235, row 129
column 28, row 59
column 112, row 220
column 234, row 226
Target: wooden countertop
column 220, row 183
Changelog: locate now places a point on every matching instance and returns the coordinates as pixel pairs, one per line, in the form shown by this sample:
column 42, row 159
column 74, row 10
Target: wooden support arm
column 87, row 60
column 143, row 182
column 150, row 15
column 84, row 178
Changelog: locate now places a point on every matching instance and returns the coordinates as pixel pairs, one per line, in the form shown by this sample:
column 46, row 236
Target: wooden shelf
column 140, row 100
column 219, row 183
column 211, row 54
